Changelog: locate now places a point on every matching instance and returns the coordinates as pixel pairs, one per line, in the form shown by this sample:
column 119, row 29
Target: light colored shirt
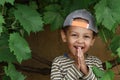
column 63, row 68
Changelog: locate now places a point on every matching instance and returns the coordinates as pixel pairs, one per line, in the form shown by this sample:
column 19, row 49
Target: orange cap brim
column 80, row 24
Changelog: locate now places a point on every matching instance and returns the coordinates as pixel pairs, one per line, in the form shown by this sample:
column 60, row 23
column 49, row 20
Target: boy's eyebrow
column 72, row 31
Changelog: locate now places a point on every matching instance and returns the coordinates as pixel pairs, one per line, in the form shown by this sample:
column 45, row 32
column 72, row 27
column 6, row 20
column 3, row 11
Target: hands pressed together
column 80, row 61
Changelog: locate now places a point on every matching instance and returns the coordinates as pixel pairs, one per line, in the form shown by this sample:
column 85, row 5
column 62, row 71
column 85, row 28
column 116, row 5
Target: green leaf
column 2, row 2
column 33, row 5
column 29, row 18
column 54, row 1
column 5, row 54
column 107, row 13
column 5, row 77
column 19, row 47
column 53, row 7
column 118, row 50
column 13, row 73
column 98, row 72
column 108, row 65
column 66, row 7
column 1, row 22
column 115, row 44
column 102, row 75
column 105, row 34
column 109, row 75
column 56, row 20
column 76, row 4
column 52, row 16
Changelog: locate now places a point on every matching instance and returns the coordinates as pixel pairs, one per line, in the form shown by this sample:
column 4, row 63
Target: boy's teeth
column 78, row 47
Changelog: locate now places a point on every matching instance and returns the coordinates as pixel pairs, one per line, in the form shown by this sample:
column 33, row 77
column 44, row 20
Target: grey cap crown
column 84, row 14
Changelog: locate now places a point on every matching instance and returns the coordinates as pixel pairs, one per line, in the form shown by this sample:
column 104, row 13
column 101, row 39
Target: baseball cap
column 84, row 14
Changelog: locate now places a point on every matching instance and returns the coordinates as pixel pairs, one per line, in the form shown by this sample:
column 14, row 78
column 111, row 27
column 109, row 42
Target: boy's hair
column 82, row 14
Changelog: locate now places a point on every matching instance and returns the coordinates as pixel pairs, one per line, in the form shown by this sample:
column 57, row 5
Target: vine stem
column 104, row 36
column 12, row 25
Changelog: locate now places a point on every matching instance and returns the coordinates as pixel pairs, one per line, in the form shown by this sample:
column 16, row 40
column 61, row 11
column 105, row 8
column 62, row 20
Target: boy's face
column 76, row 37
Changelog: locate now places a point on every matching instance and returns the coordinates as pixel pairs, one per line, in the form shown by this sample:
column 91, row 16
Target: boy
column 79, row 33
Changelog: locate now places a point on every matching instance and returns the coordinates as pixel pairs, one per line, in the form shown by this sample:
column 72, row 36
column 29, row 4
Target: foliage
column 19, row 47
column 1, row 21
column 104, row 75
column 11, row 71
column 115, row 44
column 57, row 20
column 110, row 13
column 28, row 18
column 20, row 19
column 5, row 54
column 2, row 2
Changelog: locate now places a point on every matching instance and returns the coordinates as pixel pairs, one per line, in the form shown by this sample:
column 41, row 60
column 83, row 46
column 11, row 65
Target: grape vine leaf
column 2, row 2
column 80, row 4
column 76, row 4
column 109, row 75
column 19, row 47
column 1, row 22
column 33, row 5
column 103, row 75
column 115, row 44
column 5, row 54
column 107, row 13
column 53, row 17
column 118, row 50
column 98, row 72
column 13, row 73
column 105, row 34
column 5, row 77
column 108, row 65
column 29, row 18
column 53, row 7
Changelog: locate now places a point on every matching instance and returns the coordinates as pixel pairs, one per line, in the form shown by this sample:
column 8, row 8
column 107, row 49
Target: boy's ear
column 63, row 36
column 92, row 42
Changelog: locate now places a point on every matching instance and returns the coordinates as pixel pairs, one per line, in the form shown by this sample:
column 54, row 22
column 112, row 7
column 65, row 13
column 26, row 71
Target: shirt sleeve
column 91, row 76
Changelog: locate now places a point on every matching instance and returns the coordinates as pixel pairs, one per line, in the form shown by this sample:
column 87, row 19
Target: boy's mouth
column 78, row 47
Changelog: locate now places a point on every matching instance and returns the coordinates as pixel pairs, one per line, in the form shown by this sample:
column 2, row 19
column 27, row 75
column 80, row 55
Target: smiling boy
column 79, row 33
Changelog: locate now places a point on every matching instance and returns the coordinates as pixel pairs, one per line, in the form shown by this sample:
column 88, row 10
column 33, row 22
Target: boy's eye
column 74, row 35
column 87, row 36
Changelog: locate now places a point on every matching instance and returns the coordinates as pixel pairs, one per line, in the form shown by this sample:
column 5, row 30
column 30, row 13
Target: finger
column 82, row 65
column 78, row 54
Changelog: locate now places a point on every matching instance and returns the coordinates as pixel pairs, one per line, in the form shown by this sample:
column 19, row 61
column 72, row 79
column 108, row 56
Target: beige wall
column 48, row 44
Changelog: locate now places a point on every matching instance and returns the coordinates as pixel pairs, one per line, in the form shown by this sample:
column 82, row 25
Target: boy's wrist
column 86, row 71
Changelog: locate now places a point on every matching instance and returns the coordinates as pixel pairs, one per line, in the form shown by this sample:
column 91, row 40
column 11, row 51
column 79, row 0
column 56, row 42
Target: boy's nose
column 80, row 40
